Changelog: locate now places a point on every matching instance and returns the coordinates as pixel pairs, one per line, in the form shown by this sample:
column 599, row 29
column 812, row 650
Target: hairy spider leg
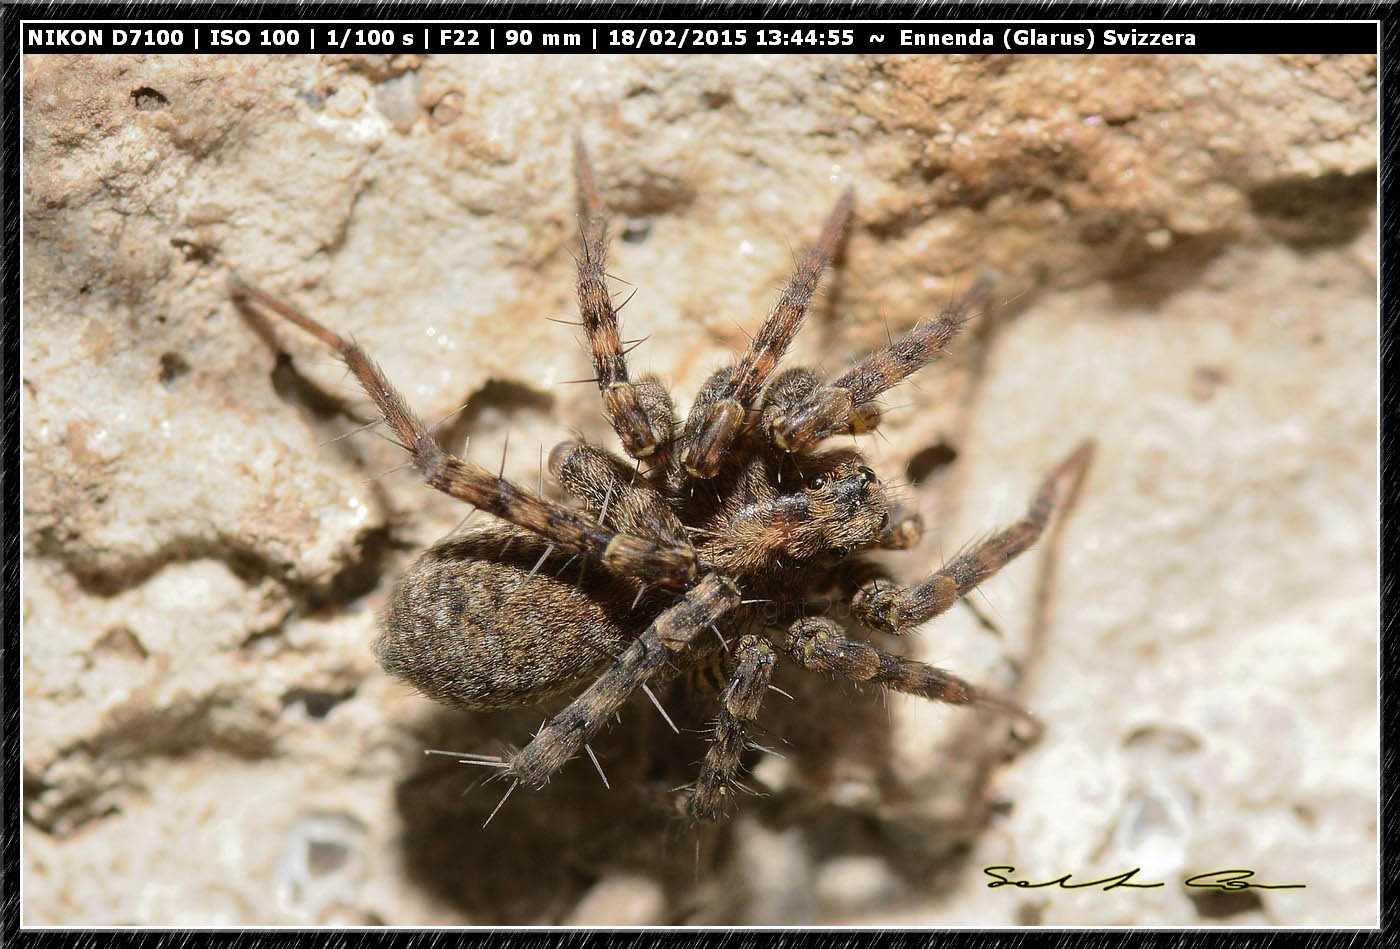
column 819, row 644
column 905, row 529
column 560, row 738
column 570, row 529
column 793, row 390
column 891, row 610
column 847, row 404
column 631, row 413
column 610, row 490
column 720, row 421
column 738, row 708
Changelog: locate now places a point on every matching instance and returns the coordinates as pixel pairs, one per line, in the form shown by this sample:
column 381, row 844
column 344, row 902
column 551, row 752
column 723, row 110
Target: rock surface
column 1186, row 250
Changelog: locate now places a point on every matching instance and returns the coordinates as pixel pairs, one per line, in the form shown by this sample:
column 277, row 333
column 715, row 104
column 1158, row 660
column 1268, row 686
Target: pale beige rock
column 774, row 875
column 621, row 900
column 845, row 885
column 1187, row 257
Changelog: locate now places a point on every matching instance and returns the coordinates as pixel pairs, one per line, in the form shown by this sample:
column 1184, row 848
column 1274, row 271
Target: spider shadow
column 544, row 848
column 850, row 798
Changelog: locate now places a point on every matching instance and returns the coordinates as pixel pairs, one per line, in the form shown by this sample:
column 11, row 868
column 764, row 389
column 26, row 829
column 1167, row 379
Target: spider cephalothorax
column 724, row 547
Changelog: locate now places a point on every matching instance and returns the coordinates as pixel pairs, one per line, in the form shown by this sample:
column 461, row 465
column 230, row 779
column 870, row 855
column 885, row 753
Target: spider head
column 845, row 507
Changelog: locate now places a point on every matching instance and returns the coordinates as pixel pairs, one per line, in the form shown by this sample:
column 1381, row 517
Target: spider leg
column 656, row 402
column 678, row 480
column 905, row 529
column 794, row 389
column 632, row 413
column 819, row 644
column 569, row 529
column 715, row 425
column 611, row 490
column 560, row 738
column 738, row 706
column 891, row 610
column 847, row 404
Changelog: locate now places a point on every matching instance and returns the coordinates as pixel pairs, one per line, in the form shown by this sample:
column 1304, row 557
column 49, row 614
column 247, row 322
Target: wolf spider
column 713, row 555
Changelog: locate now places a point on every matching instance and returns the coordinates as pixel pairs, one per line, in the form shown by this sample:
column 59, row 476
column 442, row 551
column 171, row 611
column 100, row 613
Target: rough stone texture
column 1187, row 254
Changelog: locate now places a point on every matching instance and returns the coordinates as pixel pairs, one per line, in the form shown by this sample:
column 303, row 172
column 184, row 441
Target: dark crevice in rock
column 643, row 193
column 360, row 576
column 498, row 397
column 147, row 99
column 716, row 98
column 194, row 250
column 929, row 461
column 1146, row 278
column 635, row 232
column 249, row 565
column 172, row 367
column 899, row 223
column 60, row 816
column 120, row 640
column 110, row 579
column 1312, row 212
column 98, row 772
column 317, row 702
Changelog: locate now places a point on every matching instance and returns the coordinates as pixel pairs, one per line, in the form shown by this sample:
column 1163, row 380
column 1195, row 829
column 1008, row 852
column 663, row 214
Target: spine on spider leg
column 726, row 416
column 915, row 349
column 624, row 407
column 669, row 563
column 563, row 735
column 846, row 404
column 738, row 708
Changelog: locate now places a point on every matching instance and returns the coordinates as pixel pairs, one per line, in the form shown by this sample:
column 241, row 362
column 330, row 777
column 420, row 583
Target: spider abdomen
column 480, row 620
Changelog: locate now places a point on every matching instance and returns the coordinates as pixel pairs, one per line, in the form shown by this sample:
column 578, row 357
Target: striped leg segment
column 638, row 424
column 569, row 529
column 738, row 708
column 716, row 429
column 564, row 735
column 884, row 607
column 819, row 644
column 847, row 404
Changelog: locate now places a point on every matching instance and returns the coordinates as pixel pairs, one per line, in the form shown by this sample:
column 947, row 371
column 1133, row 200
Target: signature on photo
column 1231, row 879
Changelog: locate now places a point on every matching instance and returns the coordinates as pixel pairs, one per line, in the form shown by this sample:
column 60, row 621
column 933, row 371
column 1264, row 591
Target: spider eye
column 868, row 475
column 817, row 483
column 840, row 551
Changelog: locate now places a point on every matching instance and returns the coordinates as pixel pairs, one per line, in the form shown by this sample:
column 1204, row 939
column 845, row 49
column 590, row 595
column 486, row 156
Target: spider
column 713, row 555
